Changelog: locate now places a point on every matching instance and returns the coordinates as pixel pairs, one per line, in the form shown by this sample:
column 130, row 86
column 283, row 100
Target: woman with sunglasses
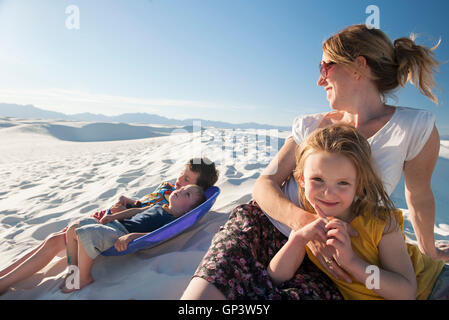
column 359, row 67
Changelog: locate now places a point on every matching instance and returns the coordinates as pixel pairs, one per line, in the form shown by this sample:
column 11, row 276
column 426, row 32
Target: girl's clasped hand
column 334, row 233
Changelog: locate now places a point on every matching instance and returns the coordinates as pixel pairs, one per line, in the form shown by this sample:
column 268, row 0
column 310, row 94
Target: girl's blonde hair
column 345, row 140
column 391, row 64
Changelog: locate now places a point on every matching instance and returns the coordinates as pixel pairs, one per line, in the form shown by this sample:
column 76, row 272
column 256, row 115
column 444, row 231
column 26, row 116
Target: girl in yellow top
column 337, row 181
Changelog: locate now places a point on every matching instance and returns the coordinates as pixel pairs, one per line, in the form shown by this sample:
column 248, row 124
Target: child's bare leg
column 17, row 263
column 71, row 248
column 33, row 261
column 85, row 264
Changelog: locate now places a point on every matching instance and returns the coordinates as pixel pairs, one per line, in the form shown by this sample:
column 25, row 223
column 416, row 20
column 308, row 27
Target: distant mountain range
column 31, row 112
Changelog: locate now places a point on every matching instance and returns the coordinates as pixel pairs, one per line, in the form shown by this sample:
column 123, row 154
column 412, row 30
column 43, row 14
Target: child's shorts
column 96, row 237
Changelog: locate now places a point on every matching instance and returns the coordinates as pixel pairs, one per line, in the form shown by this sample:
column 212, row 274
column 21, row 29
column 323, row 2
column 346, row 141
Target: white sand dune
column 54, row 172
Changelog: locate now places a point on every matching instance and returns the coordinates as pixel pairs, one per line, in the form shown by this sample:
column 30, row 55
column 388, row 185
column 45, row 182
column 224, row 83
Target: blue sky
column 228, row 60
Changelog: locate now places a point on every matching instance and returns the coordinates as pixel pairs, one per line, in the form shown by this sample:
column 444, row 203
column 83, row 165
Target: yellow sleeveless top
column 370, row 231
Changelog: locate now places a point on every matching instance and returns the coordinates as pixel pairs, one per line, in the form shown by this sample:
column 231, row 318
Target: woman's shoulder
column 416, row 125
column 310, row 117
column 408, row 114
column 304, row 124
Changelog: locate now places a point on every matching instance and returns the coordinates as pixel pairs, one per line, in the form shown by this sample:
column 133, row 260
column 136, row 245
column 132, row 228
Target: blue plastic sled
column 171, row 229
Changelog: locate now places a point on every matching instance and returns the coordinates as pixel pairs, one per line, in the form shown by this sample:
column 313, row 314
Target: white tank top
column 399, row 140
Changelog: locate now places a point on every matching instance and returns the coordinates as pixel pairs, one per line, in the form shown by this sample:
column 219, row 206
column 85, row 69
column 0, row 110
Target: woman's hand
column 325, row 255
column 442, row 249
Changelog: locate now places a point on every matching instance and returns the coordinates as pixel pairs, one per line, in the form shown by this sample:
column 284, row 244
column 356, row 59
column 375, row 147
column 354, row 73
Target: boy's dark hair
column 201, row 197
column 206, row 168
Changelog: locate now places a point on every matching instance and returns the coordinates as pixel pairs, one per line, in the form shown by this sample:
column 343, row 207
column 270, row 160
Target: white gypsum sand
column 46, row 182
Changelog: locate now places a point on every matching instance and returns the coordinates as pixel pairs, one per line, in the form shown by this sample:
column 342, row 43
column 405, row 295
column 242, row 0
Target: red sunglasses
column 324, row 68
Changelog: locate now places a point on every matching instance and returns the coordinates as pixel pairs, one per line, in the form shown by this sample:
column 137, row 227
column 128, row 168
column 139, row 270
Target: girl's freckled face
column 330, row 181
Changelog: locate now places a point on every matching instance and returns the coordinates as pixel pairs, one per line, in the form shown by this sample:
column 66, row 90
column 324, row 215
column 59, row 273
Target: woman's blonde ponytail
column 416, row 64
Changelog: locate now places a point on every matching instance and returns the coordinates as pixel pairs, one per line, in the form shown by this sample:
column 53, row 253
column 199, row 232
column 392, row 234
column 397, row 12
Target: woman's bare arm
column 419, row 196
column 268, row 194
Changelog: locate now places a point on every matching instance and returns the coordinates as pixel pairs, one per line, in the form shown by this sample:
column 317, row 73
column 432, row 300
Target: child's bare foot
column 82, row 284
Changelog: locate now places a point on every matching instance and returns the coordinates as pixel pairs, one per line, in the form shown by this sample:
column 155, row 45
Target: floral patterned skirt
column 237, row 260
